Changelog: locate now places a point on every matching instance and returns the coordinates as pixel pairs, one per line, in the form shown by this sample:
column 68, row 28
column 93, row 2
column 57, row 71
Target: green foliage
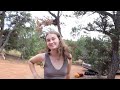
column 79, row 50
column 98, row 51
column 32, row 46
column 72, row 45
column 29, row 43
column 93, row 51
column 23, row 38
column 15, row 21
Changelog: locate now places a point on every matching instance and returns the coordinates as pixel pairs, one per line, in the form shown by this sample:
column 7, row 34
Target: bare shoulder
column 71, row 56
column 38, row 58
column 41, row 55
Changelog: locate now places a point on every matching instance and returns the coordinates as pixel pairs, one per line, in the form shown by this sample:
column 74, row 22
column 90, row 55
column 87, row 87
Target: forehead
column 51, row 36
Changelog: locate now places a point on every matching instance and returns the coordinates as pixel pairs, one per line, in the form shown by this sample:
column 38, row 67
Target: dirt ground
column 17, row 69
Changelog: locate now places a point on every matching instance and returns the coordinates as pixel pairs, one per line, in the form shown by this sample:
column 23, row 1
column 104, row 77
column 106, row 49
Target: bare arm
column 32, row 61
column 69, row 68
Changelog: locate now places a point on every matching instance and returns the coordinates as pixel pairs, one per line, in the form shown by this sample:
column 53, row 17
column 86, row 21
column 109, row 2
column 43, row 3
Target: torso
column 57, row 64
column 55, row 69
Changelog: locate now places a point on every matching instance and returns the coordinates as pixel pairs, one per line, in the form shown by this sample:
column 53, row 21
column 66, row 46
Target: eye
column 53, row 39
column 47, row 40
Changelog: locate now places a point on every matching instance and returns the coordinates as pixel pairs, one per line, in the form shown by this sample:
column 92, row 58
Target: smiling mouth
column 52, row 46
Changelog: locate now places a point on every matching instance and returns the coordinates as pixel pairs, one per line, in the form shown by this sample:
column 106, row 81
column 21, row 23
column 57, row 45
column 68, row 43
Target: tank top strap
column 46, row 59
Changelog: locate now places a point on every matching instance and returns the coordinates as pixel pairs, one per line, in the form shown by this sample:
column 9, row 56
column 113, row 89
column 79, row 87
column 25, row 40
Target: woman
column 57, row 59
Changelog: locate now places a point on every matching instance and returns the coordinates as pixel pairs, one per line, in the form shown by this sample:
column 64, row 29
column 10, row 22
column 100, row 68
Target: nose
column 51, row 41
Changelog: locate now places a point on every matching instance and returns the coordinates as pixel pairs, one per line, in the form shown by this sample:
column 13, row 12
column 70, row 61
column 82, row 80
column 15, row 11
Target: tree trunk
column 58, row 25
column 2, row 38
column 57, row 18
column 2, row 18
column 115, row 47
column 114, row 59
column 7, row 38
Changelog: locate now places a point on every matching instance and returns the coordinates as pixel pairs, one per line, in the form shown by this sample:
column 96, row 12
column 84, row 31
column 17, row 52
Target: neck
column 54, row 52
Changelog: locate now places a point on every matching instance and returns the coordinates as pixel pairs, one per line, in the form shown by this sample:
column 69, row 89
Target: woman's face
column 52, row 41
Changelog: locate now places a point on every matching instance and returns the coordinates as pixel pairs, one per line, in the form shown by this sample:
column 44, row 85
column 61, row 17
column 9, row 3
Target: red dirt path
column 17, row 69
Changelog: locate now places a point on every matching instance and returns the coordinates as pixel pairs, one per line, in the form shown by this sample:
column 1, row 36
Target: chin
column 53, row 48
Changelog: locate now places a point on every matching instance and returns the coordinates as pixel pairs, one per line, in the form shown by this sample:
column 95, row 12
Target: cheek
column 47, row 44
column 57, row 43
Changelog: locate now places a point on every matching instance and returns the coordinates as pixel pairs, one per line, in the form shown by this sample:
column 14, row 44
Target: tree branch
column 104, row 32
column 52, row 14
column 105, row 13
column 58, row 14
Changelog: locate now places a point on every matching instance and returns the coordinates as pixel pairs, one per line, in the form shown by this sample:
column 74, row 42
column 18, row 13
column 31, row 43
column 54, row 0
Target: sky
column 69, row 22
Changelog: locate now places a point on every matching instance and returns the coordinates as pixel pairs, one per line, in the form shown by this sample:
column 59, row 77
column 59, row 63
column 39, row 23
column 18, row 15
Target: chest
column 57, row 63
column 53, row 68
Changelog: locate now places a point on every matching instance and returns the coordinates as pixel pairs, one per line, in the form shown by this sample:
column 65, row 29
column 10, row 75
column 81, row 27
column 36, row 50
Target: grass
column 14, row 52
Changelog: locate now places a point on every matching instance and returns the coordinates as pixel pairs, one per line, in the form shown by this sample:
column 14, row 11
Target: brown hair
column 63, row 49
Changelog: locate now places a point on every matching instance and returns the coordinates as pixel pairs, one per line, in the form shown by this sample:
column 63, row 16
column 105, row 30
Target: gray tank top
column 51, row 73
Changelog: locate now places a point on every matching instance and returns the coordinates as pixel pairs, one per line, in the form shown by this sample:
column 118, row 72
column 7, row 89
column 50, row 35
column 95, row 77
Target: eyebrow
column 51, row 37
